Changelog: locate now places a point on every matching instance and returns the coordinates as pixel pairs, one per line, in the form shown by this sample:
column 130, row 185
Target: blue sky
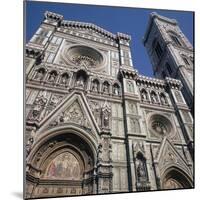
column 132, row 21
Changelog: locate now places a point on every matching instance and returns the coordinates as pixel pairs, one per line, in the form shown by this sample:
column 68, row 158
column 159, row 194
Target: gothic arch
column 66, row 157
column 175, row 178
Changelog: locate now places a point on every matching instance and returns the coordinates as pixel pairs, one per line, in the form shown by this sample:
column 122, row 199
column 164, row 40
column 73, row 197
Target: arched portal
column 63, row 165
column 176, row 179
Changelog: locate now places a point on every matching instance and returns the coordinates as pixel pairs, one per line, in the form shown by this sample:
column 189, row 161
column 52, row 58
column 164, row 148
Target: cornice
column 83, row 25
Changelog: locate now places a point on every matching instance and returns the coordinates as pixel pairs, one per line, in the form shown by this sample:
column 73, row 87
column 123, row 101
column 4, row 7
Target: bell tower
column 171, row 54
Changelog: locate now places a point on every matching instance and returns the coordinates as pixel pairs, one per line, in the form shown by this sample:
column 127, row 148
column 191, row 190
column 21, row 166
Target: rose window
column 81, row 55
column 160, row 125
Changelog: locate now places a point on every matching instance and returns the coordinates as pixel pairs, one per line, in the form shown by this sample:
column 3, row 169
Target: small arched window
column 158, row 50
column 176, row 40
column 185, row 60
column 169, row 69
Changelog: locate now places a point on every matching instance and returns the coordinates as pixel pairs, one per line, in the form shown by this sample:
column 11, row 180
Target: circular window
column 84, row 56
column 160, row 125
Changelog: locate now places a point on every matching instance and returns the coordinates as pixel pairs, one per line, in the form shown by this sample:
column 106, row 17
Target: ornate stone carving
column 39, row 104
column 55, row 100
column 73, row 114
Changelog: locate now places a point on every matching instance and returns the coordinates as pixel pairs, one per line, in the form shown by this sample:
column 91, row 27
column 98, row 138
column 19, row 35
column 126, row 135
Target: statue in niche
column 141, row 169
column 64, row 79
column 106, row 115
column 144, row 95
column 106, row 119
column 163, row 99
column 116, row 90
column 153, row 97
column 52, row 77
column 40, row 74
column 95, row 86
column 80, row 82
column 105, row 88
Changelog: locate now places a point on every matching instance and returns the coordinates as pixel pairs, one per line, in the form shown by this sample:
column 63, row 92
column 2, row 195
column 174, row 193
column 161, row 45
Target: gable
column 168, row 156
column 75, row 111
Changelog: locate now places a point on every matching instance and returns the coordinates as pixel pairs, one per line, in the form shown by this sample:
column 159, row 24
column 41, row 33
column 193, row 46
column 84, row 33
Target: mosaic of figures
column 64, row 166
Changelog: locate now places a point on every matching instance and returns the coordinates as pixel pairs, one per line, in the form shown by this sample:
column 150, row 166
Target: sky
column 132, row 21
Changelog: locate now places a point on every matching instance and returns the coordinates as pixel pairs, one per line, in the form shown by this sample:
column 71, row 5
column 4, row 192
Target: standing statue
column 80, row 82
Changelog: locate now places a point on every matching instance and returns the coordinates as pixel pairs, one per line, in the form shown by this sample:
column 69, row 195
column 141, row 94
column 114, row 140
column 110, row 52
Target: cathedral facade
column 95, row 125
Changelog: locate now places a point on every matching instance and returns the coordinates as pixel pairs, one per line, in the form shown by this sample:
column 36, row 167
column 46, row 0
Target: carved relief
column 73, row 114
column 39, row 105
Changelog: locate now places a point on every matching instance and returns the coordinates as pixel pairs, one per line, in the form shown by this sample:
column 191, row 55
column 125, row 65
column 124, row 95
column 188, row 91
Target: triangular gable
column 73, row 110
column 169, row 156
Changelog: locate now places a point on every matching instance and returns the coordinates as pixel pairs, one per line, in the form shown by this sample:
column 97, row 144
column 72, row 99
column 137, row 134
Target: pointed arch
column 175, row 178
